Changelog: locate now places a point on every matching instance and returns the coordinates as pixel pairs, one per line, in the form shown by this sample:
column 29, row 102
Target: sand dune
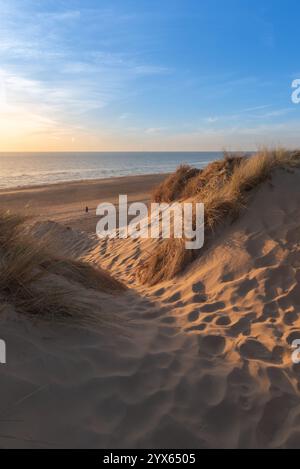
column 200, row 361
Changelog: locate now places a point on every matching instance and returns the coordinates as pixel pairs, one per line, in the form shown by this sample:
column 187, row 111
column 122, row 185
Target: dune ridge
column 224, row 187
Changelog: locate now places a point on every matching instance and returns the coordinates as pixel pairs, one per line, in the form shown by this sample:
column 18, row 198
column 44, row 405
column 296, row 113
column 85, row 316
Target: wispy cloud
column 64, row 16
column 43, row 71
column 233, row 137
column 250, row 114
column 212, row 119
column 155, row 130
column 131, row 74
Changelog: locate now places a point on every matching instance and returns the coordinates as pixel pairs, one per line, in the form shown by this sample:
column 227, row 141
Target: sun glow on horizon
column 142, row 77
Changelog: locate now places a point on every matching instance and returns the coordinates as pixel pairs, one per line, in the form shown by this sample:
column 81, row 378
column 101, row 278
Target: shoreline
column 32, row 187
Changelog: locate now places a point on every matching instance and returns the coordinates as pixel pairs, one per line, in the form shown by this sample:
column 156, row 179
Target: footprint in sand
column 174, row 298
column 213, row 307
column 268, row 260
column 198, row 328
column 246, row 286
column 291, row 298
column 199, row 298
column 279, row 380
column 242, row 326
column 159, row 292
column 226, row 278
column 295, row 335
column 198, row 287
column 210, row 389
column 270, row 311
column 255, row 246
column 209, row 318
column 252, row 349
column 212, row 344
column 193, row 316
column 241, row 377
column 290, row 318
column 223, row 321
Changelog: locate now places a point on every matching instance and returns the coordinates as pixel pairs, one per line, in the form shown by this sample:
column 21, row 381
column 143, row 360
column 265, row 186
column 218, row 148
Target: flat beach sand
column 201, row 361
column 66, row 202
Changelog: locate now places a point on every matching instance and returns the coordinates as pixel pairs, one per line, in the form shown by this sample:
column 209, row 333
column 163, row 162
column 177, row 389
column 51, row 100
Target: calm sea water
column 26, row 169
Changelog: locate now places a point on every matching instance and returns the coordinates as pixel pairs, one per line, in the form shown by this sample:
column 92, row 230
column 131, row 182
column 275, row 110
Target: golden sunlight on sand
column 199, row 360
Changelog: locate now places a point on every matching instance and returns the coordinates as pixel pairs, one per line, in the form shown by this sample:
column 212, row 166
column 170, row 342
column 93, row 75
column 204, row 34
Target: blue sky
column 148, row 75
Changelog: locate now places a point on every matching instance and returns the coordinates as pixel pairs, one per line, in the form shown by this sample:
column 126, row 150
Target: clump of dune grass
column 171, row 188
column 224, row 187
column 31, row 276
column 214, row 176
column 187, row 181
column 169, row 259
column 233, row 195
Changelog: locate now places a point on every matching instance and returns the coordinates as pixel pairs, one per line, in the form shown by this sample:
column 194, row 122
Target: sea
column 32, row 169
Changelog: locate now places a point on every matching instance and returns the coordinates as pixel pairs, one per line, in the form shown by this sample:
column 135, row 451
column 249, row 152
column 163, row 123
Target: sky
column 140, row 75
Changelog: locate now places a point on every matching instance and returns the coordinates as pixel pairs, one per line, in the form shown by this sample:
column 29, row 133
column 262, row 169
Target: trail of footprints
column 222, row 348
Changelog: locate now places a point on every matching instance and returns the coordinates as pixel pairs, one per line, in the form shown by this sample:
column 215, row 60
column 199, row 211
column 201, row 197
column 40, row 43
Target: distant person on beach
column 86, row 209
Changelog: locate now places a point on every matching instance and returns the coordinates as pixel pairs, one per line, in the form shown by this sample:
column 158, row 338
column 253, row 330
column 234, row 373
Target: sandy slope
column 201, row 361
